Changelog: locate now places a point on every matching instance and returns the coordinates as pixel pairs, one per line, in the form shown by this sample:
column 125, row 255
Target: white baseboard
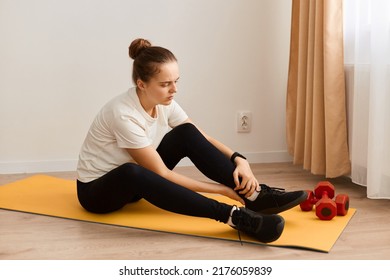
column 70, row 165
column 37, row 166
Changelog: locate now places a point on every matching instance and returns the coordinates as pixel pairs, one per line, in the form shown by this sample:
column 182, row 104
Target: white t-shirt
column 123, row 123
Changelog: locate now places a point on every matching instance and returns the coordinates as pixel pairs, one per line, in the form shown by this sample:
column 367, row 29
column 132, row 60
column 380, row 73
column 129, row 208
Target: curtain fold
column 316, row 125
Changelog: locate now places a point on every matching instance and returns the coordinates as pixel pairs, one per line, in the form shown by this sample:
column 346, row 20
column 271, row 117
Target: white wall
column 60, row 61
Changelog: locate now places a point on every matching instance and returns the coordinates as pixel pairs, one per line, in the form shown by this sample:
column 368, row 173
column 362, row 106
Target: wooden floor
column 27, row 236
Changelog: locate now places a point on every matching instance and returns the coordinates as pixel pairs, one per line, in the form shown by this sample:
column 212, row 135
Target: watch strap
column 236, row 154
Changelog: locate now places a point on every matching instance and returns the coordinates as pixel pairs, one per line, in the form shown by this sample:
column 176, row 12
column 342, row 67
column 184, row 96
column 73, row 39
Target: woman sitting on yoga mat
column 138, row 138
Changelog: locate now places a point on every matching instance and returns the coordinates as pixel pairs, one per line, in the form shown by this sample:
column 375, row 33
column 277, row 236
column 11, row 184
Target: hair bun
column 137, row 46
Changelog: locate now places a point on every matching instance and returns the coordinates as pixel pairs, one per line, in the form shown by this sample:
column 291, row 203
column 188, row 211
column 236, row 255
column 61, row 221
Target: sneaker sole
column 285, row 207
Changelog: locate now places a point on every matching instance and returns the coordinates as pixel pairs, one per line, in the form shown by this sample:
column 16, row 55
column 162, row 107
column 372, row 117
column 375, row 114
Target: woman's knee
column 186, row 129
column 186, row 126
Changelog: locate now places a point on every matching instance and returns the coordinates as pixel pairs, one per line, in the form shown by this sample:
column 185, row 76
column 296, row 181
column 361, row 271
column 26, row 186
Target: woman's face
column 162, row 87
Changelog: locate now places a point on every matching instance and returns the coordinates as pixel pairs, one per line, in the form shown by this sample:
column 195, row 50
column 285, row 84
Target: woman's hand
column 246, row 183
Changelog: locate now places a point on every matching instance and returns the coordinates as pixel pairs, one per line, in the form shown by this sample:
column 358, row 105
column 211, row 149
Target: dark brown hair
column 147, row 59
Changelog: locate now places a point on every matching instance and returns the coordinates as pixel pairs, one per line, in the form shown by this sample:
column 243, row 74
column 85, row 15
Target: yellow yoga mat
column 46, row 195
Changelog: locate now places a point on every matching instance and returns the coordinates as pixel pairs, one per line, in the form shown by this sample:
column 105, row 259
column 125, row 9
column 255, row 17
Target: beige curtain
column 316, row 109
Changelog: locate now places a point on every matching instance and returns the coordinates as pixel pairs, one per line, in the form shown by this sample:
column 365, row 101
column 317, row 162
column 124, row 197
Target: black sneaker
column 266, row 228
column 275, row 200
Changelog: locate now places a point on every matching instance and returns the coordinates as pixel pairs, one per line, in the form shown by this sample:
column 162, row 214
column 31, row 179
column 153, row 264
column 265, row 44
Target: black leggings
column 131, row 182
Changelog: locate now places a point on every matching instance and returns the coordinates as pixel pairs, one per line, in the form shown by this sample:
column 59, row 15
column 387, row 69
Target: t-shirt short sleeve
column 130, row 132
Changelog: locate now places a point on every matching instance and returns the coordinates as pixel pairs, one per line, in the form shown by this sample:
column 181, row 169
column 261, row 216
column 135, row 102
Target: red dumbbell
column 342, row 202
column 326, row 208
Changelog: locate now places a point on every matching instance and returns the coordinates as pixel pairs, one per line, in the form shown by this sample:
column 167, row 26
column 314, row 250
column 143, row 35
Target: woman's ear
column 140, row 84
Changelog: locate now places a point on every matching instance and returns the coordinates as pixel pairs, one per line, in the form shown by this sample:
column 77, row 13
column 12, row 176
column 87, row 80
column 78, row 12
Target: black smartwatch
column 234, row 155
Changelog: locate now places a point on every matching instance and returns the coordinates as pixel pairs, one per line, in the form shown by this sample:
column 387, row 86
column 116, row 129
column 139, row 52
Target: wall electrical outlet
column 244, row 121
